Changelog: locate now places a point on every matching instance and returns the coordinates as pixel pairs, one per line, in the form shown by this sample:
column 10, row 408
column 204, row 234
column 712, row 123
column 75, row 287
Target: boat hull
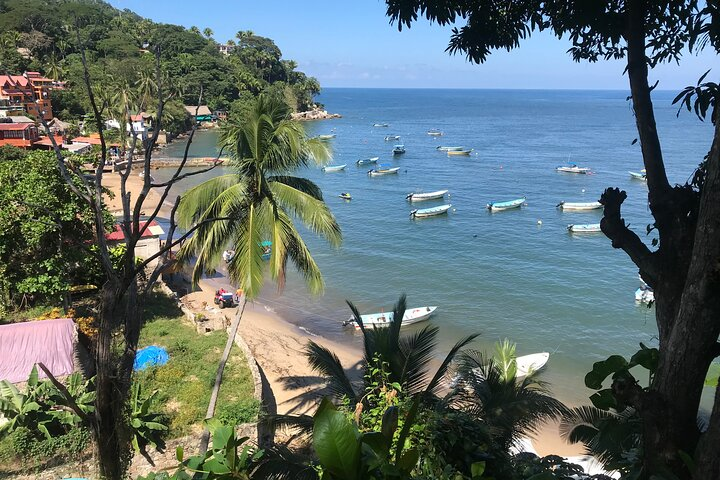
column 421, row 197
column 430, row 212
column 389, row 171
column 638, row 176
column 580, row 206
column 501, row 206
column 367, row 161
column 412, row 316
column 334, row 168
column 588, row 228
column 449, row 149
column 581, row 170
column 452, row 153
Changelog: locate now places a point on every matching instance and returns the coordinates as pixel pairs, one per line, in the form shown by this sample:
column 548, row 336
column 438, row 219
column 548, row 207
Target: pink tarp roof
column 24, row 344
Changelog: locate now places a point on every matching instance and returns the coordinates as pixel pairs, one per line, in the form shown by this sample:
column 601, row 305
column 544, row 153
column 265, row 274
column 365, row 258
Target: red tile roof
column 15, row 126
column 153, row 230
column 94, row 141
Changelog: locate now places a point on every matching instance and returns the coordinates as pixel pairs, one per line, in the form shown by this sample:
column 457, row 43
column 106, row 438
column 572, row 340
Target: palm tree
column 207, row 31
column 195, row 30
column 146, row 85
column 257, row 201
column 53, row 69
column 489, row 390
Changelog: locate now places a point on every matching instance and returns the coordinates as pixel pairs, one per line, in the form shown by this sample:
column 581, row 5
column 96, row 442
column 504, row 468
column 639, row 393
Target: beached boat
column 587, row 228
column 499, row 206
column 327, row 137
column 334, row 168
column 524, row 365
column 345, row 196
column 383, row 319
column 383, row 170
column 449, row 149
column 367, row 161
column 434, row 132
column 579, row 206
column 459, row 152
column 381, row 124
column 430, row 212
column 392, row 137
column 398, row 149
column 572, row 168
column 639, row 175
column 419, row 197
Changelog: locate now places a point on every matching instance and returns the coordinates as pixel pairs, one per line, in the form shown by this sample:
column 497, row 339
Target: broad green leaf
column 601, row 370
column 711, row 380
column 603, row 399
column 646, row 357
column 221, row 437
column 389, row 423
column 33, row 378
column 408, row 460
column 336, row 441
column 377, row 442
column 477, row 469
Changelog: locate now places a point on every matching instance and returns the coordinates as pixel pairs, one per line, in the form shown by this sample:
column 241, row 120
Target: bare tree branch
column 613, row 226
column 69, row 398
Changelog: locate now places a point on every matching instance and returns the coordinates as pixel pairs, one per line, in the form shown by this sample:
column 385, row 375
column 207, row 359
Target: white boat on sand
column 588, row 228
column 430, row 212
column 383, row 319
column 524, row 365
column 419, row 197
column 580, row 205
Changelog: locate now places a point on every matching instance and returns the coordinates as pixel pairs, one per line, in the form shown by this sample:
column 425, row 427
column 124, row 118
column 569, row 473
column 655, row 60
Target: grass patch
column 185, row 383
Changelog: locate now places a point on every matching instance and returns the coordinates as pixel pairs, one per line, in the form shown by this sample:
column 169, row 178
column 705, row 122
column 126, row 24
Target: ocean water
column 501, row 274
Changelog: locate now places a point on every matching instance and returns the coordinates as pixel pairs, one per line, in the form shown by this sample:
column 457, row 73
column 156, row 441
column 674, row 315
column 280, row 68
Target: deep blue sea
column 500, row 274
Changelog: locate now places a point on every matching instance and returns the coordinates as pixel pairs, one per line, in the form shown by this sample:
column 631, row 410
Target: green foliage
column 257, row 202
column 147, row 426
column 242, row 411
column 529, row 466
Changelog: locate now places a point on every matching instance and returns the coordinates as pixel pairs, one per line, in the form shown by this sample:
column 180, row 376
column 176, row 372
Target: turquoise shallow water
column 500, row 274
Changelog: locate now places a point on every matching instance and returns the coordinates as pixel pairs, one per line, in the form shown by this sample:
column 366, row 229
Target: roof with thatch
column 195, row 111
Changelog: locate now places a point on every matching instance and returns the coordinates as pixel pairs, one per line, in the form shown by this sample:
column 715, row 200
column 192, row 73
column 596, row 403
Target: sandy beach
column 278, row 345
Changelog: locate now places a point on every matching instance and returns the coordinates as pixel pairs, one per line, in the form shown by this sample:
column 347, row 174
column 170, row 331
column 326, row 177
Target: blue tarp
column 150, row 356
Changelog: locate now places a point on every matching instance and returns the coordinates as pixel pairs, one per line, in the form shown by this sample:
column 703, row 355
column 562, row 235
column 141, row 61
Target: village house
column 147, row 246
column 21, row 135
column 200, row 113
column 28, row 93
column 140, row 124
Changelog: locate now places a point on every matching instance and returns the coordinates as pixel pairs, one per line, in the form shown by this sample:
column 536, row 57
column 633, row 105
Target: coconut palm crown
column 258, row 201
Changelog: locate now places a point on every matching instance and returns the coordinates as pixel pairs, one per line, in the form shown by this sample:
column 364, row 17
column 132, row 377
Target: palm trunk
column 205, row 439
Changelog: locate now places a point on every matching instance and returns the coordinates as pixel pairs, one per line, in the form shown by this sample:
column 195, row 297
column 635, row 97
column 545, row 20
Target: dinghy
column 524, row 366
column 398, row 149
column 367, row 161
column 499, row 206
column 573, row 169
column 638, row 175
column 326, row 137
column 345, row 196
column 383, row 319
column 381, row 124
column 419, row 197
column 644, row 294
column 392, row 137
column 449, row 149
column 588, row 228
column 459, row 152
column 579, row 206
column 334, row 168
column 430, row 212
column 434, row 132
column 383, row 170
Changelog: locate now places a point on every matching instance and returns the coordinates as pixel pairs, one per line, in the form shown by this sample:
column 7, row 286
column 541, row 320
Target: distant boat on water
column 334, row 168
column 392, row 137
column 327, row 137
column 449, row 149
column 510, row 204
column 572, row 168
column 381, row 124
column 384, row 319
column 459, row 152
column 398, row 149
column 367, row 161
column 430, row 212
column 383, row 170
column 419, row 197
column 345, row 196
column 587, row 228
column 579, row 206
column 434, row 132
column 641, row 175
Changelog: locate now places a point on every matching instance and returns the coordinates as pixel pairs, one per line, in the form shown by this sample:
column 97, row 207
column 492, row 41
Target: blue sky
column 352, row 44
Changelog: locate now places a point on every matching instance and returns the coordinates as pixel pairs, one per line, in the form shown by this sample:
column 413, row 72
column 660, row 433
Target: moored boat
column 434, row 132
column 419, row 197
column 381, row 124
column 524, row 366
column 367, row 161
column 383, row 319
column 392, row 137
column 572, row 168
column 459, row 152
column 345, row 196
column 499, row 206
column 398, row 149
column 449, row 149
column 587, row 228
column 579, row 206
column 383, row 170
column 639, row 175
column 334, row 168
column 327, row 137
column 430, row 212
column 644, row 294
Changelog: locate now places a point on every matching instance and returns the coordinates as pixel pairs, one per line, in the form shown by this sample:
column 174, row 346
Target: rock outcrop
column 315, row 114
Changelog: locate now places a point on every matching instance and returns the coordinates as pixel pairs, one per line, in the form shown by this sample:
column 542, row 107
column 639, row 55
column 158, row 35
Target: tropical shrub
column 147, row 427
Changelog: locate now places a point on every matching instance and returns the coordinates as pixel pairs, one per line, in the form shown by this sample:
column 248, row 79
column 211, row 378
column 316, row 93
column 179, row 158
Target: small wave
column 307, row 331
column 269, row 309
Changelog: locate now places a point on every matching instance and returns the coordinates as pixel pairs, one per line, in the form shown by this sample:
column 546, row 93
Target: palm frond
column 416, row 352
column 442, row 370
column 299, row 254
column 246, row 267
column 314, row 213
column 298, row 183
column 301, row 423
column 196, row 203
column 328, row 364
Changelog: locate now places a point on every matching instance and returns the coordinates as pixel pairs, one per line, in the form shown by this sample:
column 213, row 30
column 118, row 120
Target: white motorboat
column 334, row 168
column 419, row 197
column 430, row 212
column 573, row 169
column 578, row 206
column 588, row 228
column 383, row 171
column 531, row 363
column 383, row 319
